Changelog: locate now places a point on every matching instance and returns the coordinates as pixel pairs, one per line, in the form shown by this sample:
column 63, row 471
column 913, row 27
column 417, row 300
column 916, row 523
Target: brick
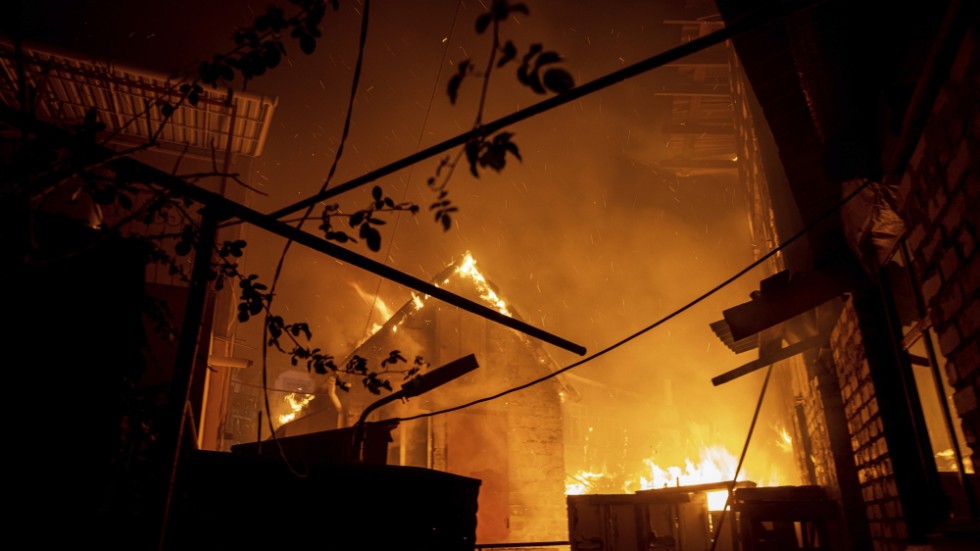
column 965, row 242
column 965, row 400
column 903, row 191
column 967, row 360
column 917, row 235
column 957, row 166
column 949, row 263
column 946, row 304
column 915, row 160
column 969, row 278
column 949, row 340
column 930, row 287
column 927, row 252
column 969, row 320
column 954, row 215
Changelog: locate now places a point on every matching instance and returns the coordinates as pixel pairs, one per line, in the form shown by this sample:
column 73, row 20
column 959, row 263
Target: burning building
column 514, row 445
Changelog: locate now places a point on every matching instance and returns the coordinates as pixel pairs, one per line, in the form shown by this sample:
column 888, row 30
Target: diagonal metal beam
column 232, row 209
column 225, row 208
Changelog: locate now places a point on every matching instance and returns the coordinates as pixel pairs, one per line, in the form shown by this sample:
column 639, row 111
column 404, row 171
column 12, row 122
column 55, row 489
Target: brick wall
column 864, row 424
column 938, row 200
column 534, row 434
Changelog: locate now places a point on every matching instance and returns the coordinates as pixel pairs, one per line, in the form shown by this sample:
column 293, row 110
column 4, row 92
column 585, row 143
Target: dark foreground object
column 227, row 501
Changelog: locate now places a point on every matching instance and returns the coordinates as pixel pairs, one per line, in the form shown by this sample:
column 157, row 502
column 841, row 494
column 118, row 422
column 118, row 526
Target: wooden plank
column 767, row 360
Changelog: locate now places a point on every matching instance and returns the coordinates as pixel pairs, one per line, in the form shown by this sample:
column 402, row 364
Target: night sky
column 586, row 238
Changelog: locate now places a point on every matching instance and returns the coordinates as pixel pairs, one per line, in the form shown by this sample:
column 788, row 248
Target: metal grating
column 128, row 102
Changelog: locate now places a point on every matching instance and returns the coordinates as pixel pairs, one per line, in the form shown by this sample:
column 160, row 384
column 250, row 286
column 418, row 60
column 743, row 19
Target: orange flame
column 716, row 464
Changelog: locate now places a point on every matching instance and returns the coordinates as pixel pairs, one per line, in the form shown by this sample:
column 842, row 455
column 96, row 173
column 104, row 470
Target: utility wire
column 806, row 229
column 355, row 82
column 418, row 147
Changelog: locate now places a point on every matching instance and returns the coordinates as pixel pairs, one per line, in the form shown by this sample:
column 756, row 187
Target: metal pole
column 190, row 330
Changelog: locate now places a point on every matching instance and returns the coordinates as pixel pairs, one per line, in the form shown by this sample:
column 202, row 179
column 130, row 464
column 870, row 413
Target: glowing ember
column 296, row 403
column 716, row 464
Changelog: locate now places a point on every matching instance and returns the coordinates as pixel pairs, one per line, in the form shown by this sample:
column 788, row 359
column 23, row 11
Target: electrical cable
column 355, row 82
column 418, row 147
column 806, row 229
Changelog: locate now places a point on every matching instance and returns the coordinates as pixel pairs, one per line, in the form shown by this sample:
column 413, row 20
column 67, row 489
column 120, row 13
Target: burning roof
column 417, row 316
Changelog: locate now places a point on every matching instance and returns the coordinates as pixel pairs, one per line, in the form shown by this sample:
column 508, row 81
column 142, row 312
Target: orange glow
column 716, row 464
column 785, row 441
column 468, row 269
column 296, row 403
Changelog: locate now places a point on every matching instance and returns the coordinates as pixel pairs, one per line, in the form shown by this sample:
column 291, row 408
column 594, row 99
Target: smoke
column 586, row 236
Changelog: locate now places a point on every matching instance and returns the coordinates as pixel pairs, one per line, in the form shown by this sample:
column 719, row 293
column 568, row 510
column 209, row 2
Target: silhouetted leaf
column 307, row 44
column 507, row 53
column 558, row 80
column 545, row 58
column 453, row 89
column 483, row 22
column 473, row 155
column 372, row 237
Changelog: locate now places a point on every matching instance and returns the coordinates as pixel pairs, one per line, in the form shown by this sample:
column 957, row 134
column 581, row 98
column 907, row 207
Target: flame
column 583, row 482
column 785, row 441
column 377, row 305
column 296, row 403
column 716, row 464
column 468, row 269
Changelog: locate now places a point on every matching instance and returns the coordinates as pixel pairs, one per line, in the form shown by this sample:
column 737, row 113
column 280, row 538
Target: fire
column 468, row 269
column 377, row 305
column 296, row 403
column 582, row 483
column 785, row 441
column 716, row 464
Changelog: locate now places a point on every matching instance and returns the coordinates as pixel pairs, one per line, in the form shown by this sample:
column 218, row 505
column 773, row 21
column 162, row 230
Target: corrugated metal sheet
column 129, row 102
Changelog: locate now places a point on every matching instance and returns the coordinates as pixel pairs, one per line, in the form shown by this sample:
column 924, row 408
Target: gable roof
column 461, row 277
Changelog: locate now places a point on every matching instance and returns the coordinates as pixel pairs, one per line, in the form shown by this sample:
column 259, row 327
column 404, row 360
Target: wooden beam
column 769, row 359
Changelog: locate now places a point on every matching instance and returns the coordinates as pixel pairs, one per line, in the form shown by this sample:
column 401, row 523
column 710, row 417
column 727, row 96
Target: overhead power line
column 731, row 279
